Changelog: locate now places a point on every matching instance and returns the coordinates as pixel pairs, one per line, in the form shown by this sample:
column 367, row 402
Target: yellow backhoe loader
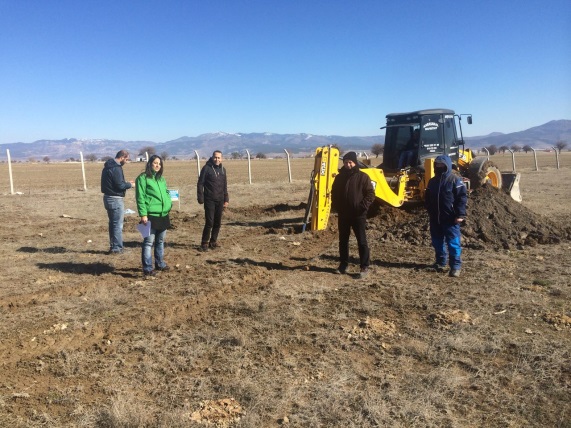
column 412, row 141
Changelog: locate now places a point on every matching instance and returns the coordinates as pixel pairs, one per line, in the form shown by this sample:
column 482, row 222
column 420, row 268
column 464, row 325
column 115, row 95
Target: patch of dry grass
column 266, row 323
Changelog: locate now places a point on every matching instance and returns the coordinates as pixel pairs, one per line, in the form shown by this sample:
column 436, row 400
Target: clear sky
column 159, row 70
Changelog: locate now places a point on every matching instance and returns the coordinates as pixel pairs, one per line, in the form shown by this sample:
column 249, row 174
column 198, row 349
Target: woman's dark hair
column 149, row 171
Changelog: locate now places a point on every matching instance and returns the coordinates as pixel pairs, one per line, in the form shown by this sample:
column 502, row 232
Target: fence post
column 535, row 159
column 288, row 165
column 487, row 151
column 10, row 172
column 197, row 163
column 249, row 167
column 556, row 156
column 513, row 159
column 83, row 171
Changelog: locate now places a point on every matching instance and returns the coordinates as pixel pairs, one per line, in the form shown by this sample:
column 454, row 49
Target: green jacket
column 152, row 196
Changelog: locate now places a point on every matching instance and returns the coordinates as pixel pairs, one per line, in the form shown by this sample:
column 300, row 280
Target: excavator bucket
column 510, row 184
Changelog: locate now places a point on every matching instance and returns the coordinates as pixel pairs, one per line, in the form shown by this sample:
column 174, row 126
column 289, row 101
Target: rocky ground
column 261, row 332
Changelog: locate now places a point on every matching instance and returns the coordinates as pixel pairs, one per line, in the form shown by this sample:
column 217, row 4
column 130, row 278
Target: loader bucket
column 510, row 184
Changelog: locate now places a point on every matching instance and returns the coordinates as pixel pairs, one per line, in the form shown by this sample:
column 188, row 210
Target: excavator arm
column 383, row 190
column 325, row 169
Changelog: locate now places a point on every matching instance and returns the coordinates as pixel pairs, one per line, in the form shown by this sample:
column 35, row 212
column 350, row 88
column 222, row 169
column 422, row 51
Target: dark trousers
column 359, row 228
column 213, row 215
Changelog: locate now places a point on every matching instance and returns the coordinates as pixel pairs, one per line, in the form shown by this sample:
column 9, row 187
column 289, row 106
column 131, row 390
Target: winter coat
column 446, row 196
column 212, row 184
column 153, row 198
column 112, row 179
column 352, row 193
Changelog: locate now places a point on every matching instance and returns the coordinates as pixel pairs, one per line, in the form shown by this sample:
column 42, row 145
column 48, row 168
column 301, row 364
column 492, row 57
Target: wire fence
column 32, row 177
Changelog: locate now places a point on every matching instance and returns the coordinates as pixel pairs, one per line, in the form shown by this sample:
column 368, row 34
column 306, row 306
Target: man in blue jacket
column 445, row 200
column 113, row 187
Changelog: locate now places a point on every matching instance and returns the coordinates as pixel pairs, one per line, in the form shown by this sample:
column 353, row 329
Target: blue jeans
column 116, row 212
column 406, row 158
column 446, row 236
column 157, row 237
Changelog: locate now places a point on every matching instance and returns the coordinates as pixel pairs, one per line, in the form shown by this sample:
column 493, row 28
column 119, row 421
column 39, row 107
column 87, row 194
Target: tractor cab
column 410, row 138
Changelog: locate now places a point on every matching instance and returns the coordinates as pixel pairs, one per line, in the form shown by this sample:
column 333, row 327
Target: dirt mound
column 494, row 220
column 221, row 413
column 408, row 223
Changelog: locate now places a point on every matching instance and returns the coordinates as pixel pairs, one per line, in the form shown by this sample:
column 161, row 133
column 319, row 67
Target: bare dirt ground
column 261, row 332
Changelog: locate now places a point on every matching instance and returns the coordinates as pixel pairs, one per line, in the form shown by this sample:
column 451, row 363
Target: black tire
column 482, row 171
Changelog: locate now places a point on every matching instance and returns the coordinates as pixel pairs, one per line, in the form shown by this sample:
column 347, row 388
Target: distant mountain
column 184, row 147
column 267, row 143
column 539, row 137
column 69, row 148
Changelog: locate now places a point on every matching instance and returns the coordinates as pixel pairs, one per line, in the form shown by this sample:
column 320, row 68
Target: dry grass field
column 261, row 332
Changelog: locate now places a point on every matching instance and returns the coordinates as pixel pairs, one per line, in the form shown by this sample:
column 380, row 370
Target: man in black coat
column 351, row 196
column 113, row 187
column 212, row 191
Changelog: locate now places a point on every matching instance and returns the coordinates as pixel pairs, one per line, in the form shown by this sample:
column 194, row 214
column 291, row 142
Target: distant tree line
column 493, row 149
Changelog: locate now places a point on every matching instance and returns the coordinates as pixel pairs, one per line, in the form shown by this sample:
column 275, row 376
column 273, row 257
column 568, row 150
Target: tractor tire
column 482, row 171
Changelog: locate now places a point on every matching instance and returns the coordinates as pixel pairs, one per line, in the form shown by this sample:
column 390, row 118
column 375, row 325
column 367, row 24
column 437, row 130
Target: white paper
column 145, row 229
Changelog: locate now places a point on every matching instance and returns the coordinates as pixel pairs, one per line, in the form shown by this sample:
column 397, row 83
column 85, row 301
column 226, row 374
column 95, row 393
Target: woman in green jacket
column 153, row 204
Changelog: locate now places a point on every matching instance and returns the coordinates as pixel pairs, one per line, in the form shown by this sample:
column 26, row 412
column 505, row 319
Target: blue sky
column 159, row 70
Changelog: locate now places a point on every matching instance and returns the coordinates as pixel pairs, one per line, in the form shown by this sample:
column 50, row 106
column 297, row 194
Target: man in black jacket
column 351, row 196
column 113, row 187
column 212, row 191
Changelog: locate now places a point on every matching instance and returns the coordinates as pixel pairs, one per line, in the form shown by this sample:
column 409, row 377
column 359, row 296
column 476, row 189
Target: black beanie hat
column 352, row 156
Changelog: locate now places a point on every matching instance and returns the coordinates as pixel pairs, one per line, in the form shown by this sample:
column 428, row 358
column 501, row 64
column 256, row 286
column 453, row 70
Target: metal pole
column 83, row 171
column 197, row 163
column 288, row 165
column 487, row 151
column 556, row 156
column 535, row 159
column 513, row 159
column 147, row 155
column 10, row 172
column 249, row 167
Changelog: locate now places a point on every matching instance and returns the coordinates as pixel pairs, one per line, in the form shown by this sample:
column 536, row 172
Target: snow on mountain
column 539, row 137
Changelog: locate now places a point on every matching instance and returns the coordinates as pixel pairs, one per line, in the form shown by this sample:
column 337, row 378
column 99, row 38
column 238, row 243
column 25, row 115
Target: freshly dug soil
column 494, row 220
